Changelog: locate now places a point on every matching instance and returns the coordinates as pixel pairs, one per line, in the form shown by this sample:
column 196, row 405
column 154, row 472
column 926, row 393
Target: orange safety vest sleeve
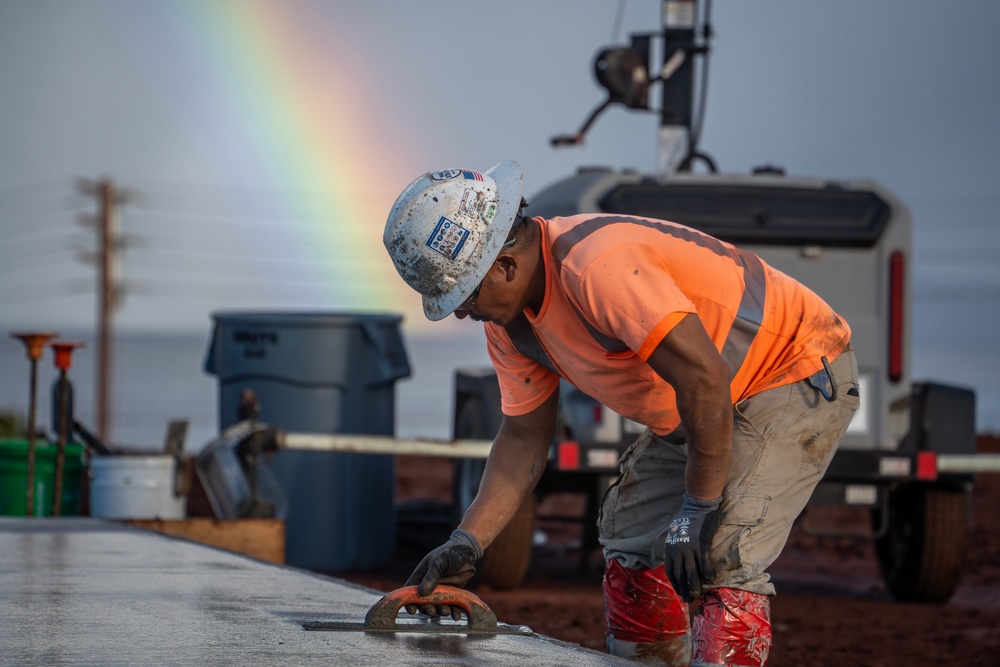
column 524, row 383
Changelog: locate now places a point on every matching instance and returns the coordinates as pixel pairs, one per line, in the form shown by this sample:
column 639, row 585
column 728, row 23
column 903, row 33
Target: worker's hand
column 452, row 563
column 686, row 552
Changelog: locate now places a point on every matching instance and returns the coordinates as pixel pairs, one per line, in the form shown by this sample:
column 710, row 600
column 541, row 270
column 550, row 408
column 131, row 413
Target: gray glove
column 452, row 563
column 689, row 539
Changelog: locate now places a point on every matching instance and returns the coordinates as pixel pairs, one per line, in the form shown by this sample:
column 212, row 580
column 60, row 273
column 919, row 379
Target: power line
column 29, row 293
column 275, row 282
column 230, row 292
column 260, row 202
column 29, row 189
column 242, row 193
column 250, row 275
column 236, row 254
column 35, row 232
column 303, row 199
column 40, row 223
column 6, row 260
column 9, row 208
column 253, row 220
column 317, row 218
column 244, row 247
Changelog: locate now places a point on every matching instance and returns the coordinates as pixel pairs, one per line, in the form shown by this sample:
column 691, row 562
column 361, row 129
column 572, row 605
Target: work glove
column 686, row 551
column 452, row 563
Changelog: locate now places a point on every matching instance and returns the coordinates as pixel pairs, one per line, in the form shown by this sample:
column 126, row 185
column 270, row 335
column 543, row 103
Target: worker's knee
column 732, row 628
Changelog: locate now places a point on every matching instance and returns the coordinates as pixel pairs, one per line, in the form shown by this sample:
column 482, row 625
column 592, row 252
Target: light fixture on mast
column 624, row 73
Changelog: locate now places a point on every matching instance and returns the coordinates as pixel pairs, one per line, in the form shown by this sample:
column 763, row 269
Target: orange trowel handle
column 382, row 615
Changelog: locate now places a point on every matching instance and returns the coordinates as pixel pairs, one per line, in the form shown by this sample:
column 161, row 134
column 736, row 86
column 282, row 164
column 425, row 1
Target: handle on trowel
column 382, row 615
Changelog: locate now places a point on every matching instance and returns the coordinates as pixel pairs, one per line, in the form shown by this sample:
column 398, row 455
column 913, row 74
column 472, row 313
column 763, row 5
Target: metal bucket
column 135, row 487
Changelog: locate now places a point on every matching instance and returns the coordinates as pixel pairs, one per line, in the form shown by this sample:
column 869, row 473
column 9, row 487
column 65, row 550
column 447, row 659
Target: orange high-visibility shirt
column 614, row 288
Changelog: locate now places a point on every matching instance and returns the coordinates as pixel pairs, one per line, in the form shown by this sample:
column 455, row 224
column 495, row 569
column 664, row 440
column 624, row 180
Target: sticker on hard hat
column 448, row 238
column 472, row 203
column 472, row 175
column 445, row 174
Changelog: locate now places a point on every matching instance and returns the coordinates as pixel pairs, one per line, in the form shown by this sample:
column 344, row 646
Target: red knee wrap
column 732, row 628
column 641, row 605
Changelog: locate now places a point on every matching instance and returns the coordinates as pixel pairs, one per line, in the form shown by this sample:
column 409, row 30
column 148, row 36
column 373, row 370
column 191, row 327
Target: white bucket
column 134, row 487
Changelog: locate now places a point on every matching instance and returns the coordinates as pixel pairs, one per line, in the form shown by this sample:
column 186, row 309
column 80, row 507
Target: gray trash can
column 320, row 373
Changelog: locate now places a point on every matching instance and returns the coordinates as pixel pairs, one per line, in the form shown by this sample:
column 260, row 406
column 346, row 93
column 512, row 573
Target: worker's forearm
column 708, row 423
column 512, row 471
column 688, row 360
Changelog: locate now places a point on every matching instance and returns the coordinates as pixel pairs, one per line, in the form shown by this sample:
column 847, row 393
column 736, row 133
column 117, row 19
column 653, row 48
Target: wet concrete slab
column 87, row 591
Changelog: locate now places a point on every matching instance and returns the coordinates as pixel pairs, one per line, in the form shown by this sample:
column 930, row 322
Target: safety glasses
column 470, row 302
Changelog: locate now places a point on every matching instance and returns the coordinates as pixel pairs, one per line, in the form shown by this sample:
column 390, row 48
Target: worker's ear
column 508, row 265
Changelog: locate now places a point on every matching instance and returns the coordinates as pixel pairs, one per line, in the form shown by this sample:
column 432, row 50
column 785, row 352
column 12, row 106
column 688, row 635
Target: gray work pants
column 783, row 441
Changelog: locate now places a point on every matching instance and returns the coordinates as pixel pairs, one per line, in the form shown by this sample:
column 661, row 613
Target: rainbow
column 299, row 98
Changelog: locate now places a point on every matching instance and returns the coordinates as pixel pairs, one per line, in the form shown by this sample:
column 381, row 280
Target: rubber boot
column 733, row 628
column 671, row 652
column 646, row 620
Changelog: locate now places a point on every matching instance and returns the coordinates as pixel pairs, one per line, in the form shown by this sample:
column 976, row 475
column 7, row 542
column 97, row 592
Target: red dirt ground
column 832, row 609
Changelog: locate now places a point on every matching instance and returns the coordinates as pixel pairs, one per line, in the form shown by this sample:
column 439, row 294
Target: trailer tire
column 922, row 554
column 505, row 563
column 507, row 560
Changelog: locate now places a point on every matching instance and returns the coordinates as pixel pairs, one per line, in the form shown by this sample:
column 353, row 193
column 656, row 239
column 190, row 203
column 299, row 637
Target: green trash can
column 14, row 477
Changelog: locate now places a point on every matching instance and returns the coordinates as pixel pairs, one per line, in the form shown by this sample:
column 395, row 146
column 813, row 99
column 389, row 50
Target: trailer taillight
column 927, row 468
column 568, row 455
column 896, row 281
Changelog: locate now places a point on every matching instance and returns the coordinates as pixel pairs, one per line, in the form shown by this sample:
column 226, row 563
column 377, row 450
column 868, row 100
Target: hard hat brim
column 510, row 185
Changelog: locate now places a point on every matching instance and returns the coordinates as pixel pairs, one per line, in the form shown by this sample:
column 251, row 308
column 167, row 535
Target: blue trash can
column 320, row 373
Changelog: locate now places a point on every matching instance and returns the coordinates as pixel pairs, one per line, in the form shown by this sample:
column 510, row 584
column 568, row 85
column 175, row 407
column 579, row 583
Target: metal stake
column 63, row 352
column 33, row 343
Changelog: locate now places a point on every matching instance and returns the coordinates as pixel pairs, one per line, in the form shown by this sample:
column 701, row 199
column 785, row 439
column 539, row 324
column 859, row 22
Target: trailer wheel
column 507, row 560
column 505, row 563
column 922, row 554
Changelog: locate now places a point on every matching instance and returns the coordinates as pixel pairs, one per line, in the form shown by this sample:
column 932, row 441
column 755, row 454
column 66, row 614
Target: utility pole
column 108, row 291
column 109, row 288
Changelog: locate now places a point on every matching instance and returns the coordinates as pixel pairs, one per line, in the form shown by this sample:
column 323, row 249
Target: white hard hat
column 446, row 229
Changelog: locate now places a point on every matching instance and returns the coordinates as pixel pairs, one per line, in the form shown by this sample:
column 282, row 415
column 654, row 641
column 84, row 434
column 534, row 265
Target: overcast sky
column 265, row 141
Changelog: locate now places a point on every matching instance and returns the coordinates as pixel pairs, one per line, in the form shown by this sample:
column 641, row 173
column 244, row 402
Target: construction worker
column 744, row 378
